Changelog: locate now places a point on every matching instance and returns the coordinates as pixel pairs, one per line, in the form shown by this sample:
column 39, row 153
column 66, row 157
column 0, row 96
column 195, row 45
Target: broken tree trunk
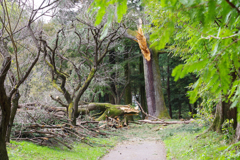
column 153, row 85
column 109, row 110
column 154, row 95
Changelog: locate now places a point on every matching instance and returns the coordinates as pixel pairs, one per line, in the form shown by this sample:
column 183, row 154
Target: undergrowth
column 181, row 143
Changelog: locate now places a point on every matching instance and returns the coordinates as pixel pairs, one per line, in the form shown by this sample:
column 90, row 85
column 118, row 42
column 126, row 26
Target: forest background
column 88, row 53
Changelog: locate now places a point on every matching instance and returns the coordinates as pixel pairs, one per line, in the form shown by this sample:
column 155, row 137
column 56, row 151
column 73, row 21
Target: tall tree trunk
column 180, row 111
column 142, row 89
column 112, row 61
column 190, row 109
column 168, row 90
column 127, row 94
column 127, row 72
column 153, row 86
column 5, row 101
column 6, row 109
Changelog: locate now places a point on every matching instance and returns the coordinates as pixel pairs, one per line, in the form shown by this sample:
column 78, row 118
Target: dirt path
column 138, row 149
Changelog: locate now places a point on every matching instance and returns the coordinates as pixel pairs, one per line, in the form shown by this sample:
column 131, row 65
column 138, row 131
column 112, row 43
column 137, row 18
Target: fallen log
column 165, row 122
column 109, row 110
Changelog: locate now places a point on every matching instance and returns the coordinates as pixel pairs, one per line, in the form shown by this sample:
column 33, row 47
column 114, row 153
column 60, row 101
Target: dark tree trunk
column 127, row 72
column 190, row 109
column 180, row 111
column 112, row 61
column 142, row 89
column 229, row 113
column 5, row 101
column 127, row 94
column 194, row 110
column 6, row 109
column 106, row 97
column 168, row 90
column 153, row 86
column 13, row 113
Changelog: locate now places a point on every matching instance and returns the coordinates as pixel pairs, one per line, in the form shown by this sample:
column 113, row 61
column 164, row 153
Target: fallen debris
column 164, row 122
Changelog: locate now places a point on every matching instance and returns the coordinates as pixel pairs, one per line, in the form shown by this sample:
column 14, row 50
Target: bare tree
column 90, row 49
column 16, row 26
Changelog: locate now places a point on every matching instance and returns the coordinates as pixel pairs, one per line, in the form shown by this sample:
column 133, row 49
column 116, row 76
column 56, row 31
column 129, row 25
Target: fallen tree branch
column 148, row 115
column 57, row 99
column 164, row 122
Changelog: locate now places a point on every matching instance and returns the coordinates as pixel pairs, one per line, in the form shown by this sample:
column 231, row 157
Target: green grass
column 29, row 151
column 181, row 144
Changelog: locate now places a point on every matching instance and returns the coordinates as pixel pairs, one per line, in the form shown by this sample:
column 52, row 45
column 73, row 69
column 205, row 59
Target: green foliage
column 101, row 6
column 228, row 130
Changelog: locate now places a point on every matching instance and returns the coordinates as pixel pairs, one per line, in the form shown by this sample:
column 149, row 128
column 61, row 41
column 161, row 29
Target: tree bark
column 222, row 113
column 5, row 102
column 219, row 119
column 127, row 72
column 152, row 76
column 73, row 109
column 153, row 87
column 127, row 94
column 12, row 116
column 142, row 89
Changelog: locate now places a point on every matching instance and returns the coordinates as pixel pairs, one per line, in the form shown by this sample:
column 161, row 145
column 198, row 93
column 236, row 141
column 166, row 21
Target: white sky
column 50, row 13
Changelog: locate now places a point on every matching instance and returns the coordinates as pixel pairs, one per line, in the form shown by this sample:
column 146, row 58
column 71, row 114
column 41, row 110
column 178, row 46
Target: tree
column 154, row 95
column 206, row 39
column 16, row 26
column 89, row 48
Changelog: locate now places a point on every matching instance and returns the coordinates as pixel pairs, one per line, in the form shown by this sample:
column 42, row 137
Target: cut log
column 165, row 122
column 108, row 110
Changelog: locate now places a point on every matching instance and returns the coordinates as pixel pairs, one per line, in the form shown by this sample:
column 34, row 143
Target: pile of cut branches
column 48, row 128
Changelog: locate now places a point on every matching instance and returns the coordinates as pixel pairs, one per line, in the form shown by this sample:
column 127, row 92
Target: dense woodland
column 88, row 61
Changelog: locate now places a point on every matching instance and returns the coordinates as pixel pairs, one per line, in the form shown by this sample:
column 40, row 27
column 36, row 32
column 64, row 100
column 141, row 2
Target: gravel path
column 137, row 150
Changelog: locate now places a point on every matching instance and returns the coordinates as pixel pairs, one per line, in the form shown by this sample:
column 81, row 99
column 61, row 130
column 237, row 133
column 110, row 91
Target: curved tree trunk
column 12, row 116
column 5, row 101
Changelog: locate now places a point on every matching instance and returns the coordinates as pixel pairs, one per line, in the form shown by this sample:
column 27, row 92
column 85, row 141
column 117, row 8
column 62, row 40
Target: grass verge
column 29, row 151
